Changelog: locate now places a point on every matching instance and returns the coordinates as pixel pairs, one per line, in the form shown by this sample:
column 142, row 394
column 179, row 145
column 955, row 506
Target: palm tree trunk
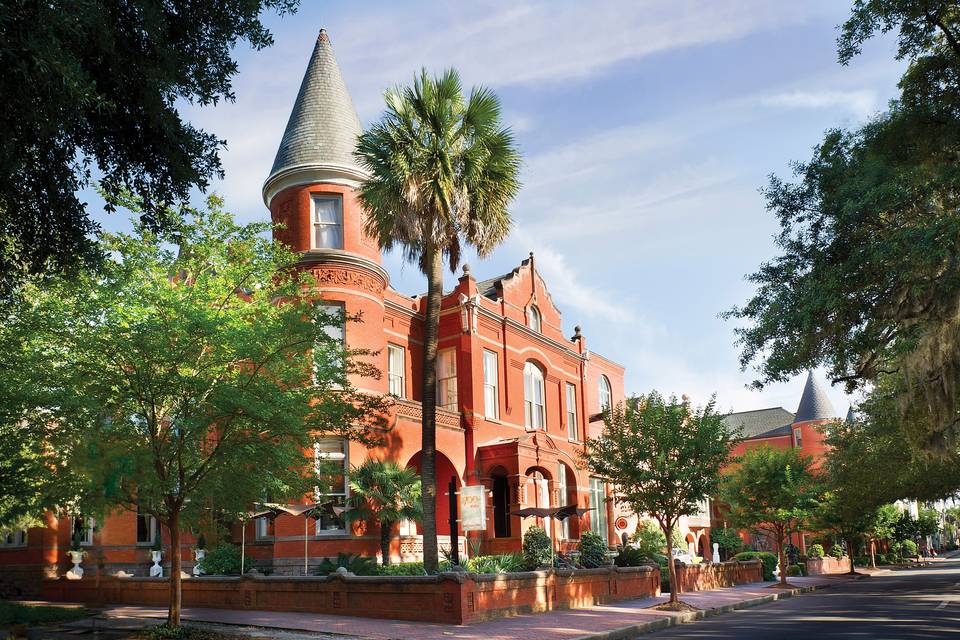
column 428, row 453
column 176, row 593
column 386, row 529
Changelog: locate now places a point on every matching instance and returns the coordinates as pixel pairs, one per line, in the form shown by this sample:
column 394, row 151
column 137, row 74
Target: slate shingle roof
column 814, row 403
column 760, row 423
column 323, row 126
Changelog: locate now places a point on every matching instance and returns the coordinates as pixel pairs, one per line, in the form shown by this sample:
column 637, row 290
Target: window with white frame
column 798, row 437
column 327, row 222
column 447, row 379
column 562, row 490
column 330, row 462
column 146, row 527
column 491, row 373
column 396, row 376
column 263, row 528
column 606, row 394
column 14, row 538
column 83, row 530
column 598, row 501
column 331, row 353
column 533, row 397
column 534, row 321
column 572, row 427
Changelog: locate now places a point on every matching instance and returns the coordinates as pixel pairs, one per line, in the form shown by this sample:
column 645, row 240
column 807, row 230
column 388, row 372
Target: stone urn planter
column 198, row 555
column 156, row 571
column 76, row 557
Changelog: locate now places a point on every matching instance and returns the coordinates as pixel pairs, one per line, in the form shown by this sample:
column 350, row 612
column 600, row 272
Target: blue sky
column 647, row 128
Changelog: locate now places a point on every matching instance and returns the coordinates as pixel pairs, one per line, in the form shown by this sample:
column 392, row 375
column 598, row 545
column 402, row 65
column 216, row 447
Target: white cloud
column 861, row 103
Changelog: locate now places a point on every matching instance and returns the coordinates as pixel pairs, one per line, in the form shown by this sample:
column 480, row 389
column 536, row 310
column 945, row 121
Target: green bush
column 881, row 558
column 536, row 548
column 664, row 579
column 166, row 632
column 728, row 541
column 400, row 569
column 768, row 559
column 630, row 557
column 506, row 563
column 837, row 551
column 794, row 570
column 16, row 613
column 815, row 551
column 909, row 549
column 648, row 539
column 224, row 560
column 357, row 565
column 593, row 550
column 861, row 561
column 661, row 559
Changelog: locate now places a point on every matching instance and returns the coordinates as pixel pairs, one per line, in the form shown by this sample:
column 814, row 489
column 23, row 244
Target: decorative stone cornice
column 300, row 175
column 328, row 260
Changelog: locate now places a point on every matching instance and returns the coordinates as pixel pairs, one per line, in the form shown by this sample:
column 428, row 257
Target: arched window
column 533, row 319
column 606, row 395
column 533, row 397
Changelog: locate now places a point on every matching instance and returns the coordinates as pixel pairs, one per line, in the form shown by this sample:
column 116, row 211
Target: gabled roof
column 814, row 403
column 760, row 423
column 323, row 126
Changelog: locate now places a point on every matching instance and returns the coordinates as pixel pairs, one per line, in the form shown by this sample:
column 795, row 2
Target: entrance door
column 501, row 502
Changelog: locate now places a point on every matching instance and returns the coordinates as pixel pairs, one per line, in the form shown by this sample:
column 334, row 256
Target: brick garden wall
column 827, row 565
column 700, row 577
column 449, row 598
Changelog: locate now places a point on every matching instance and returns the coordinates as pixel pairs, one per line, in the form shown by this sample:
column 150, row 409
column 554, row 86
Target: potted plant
column 156, row 554
column 199, row 552
column 76, row 554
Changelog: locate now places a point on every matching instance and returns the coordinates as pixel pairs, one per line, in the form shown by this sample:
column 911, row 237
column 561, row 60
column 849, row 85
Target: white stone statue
column 156, row 571
column 716, row 552
column 198, row 555
column 76, row 556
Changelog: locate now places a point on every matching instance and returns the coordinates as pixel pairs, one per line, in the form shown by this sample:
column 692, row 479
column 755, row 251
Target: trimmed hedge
column 768, row 559
column 815, row 551
column 536, row 548
column 593, row 550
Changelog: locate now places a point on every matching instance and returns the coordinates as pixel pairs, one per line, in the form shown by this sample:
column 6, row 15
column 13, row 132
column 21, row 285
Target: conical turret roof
column 814, row 403
column 323, row 126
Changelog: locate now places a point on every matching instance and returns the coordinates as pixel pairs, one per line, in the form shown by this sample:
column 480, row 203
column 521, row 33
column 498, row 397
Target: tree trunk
column 176, row 593
column 385, row 531
column 428, row 452
column 873, row 553
column 783, row 560
column 849, row 543
column 671, row 565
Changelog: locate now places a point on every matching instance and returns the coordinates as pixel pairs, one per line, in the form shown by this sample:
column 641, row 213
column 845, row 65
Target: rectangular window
column 330, row 353
column 263, row 528
column 146, row 527
column 491, row 400
column 797, row 438
column 562, row 491
column 447, row 379
column 598, row 501
column 16, row 538
column 83, row 530
column 395, row 370
column 330, row 462
column 572, row 431
column 327, row 222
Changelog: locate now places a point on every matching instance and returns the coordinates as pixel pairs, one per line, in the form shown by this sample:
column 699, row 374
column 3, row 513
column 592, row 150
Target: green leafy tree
column 663, row 456
column 93, row 88
column 868, row 281
column 769, row 492
column 880, row 528
column 443, row 170
column 189, row 370
column 840, row 513
column 728, row 541
column 387, row 493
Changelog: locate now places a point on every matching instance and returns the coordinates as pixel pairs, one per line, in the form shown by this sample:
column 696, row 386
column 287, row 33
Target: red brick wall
column 701, row 577
column 827, row 565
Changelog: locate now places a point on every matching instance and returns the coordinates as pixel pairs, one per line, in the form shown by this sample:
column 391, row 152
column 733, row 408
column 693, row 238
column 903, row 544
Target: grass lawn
column 16, row 613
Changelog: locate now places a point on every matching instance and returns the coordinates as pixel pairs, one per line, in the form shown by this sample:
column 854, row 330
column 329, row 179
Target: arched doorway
column 445, row 471
column 500, row 488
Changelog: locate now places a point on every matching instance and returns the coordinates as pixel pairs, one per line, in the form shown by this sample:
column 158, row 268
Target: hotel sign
column 473, row 511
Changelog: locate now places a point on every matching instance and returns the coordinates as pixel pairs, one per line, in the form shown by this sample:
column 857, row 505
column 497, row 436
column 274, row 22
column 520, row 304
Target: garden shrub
column 728, row 541
column 909, row 549
column 593, row 550
column 506, row 563
column 224, row 560
column 357, row 565
column 536, row 548
column 768, row 559
column 837, row 551
column 881, row 558
column 664, row 579
column 401, row 569
column 167, row 632
column 815, row 551
column 16, row 613
column 649, row 539
column 794, row 570
column 630, row 557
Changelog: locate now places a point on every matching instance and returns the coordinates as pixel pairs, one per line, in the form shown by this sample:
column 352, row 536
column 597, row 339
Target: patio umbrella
column 311, row 510
column 244, row 519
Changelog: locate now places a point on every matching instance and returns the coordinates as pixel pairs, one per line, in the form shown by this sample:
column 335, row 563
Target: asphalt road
column 913, row 603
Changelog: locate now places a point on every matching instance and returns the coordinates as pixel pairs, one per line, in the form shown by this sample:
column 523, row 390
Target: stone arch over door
column 445, row 471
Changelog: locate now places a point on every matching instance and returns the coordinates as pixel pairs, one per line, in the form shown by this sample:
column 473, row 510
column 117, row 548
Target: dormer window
column 533, row 319
column 327, row 222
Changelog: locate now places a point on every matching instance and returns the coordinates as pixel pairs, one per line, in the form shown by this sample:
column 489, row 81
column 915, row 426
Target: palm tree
column 387, row 493
column 442, row 171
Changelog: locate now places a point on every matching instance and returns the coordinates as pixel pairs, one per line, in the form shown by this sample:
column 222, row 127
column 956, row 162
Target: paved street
column 915, row 603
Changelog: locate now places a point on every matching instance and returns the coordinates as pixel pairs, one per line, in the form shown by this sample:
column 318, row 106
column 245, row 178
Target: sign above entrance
column 473, row 511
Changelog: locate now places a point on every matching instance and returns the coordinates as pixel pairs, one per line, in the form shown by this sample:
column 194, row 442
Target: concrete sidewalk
column 602, row 622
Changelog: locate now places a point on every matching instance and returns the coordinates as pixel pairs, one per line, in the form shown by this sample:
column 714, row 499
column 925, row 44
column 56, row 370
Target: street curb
column 634, row 630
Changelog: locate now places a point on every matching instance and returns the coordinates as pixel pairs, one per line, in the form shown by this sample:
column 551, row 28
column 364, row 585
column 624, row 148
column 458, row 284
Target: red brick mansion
column 519, row 393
